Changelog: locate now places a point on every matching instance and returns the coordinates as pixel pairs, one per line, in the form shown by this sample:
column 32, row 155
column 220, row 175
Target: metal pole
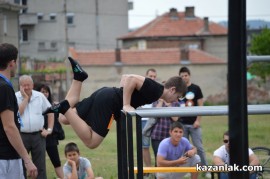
column 261, row 58
column 66, row 47
column 237, row 87
column 197, row 111
column 119, row 147
column 97, row 24
column 130, row 147
column 139, row 147
column 124, row 162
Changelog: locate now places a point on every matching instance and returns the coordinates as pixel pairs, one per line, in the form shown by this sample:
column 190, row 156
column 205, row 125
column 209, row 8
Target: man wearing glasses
column 222, row 157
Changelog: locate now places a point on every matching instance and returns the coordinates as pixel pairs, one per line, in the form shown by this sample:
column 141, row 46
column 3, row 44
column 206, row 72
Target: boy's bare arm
column 218, row 161
column 74, row 174
column 191, row 152
column 253, row 160
column 90, row 173
column 162, row 162
column 130, row 83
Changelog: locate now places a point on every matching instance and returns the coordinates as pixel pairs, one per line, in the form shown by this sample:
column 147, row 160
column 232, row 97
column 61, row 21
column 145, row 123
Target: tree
column 260, row 45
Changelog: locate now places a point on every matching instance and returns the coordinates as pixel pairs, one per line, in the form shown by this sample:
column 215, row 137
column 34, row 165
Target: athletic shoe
column 61, row 107
column 79, row 73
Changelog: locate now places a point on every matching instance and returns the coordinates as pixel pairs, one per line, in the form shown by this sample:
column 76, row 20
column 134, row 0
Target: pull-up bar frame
column 125, row 131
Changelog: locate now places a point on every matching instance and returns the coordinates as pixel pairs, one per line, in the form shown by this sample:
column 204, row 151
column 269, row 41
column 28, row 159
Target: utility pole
column 97, row 25
column 66, row 47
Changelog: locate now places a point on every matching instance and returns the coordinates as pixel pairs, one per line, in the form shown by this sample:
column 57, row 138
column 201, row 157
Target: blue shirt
column 171, row 152
column 84, row 163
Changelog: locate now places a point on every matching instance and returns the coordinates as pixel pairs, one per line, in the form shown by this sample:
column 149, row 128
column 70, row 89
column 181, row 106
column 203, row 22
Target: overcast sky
column 217, row 10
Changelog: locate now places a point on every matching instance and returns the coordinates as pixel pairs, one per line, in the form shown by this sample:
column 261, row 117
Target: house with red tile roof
column 167, row 43
column 179, row 30
column 105, row 67
column 162, row 56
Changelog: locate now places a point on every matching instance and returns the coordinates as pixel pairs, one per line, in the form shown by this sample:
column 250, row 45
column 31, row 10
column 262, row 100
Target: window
column 17, row 1
column 40, row 16
column 72, row 44
column 24, row 35
column 142, row 45
column 53, row 45
column 5, row 24
column 193, row 46
column 130, row 5
column 70, row 18
column 24, row 3
column 41, row 45
column 52, row 16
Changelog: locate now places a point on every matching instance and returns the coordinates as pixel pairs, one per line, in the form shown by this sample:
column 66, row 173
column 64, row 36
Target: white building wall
column 90, row 30
column 211, row 78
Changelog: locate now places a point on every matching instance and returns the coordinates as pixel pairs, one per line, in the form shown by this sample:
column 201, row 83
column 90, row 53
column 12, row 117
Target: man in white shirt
column 31, row 105
column 221, row 157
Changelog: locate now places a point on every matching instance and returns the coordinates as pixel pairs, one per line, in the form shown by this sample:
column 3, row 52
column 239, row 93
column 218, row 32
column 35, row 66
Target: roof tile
column 144, row 57
column 164, row 26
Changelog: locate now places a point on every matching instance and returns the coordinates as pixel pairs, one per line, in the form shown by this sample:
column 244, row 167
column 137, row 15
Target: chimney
column 117, row 55
column 184, row 54
column 173, row 14
column 189, row 13
column 205, row 24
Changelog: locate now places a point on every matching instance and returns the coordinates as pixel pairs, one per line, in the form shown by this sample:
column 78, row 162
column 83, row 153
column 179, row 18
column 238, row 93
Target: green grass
column 104, row 158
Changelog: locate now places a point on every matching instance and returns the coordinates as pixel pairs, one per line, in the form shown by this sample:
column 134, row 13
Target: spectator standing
column 12, row 150
column 31, row 105
column 192, row 125
column 77, row 167
column 176, row 151
column 162, row 127
column 222, row 156
column 152, row 74
column 52, row 140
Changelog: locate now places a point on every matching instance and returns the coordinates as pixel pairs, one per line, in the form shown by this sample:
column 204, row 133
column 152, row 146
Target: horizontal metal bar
column 196, row 111
column 166, row 169
column 261, row 58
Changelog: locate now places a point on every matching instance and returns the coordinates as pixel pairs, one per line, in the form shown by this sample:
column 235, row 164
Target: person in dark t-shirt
column 192, row 124
column 92, row 117
column 12, row 150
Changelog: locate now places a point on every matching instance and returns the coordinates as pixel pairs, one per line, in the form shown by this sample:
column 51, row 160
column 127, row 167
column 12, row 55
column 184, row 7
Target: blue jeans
column 196, row 137
column 226, row 176
column 145, row 140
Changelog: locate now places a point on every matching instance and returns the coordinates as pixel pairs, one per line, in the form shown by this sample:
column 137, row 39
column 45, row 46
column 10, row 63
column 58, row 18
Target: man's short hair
column 178, row 83
column 150, row 69
column 71, row 147
column 25, row 77
column 176, row 124
column 184, row 70
column 8, row 52
column 226, row 133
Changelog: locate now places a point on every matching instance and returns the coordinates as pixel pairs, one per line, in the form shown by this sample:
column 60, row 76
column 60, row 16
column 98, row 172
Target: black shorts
column 98, row 110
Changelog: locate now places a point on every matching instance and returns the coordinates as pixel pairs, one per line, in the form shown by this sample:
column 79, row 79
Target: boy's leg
column 79, row 76
column 73, row 94
column 90, row 138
